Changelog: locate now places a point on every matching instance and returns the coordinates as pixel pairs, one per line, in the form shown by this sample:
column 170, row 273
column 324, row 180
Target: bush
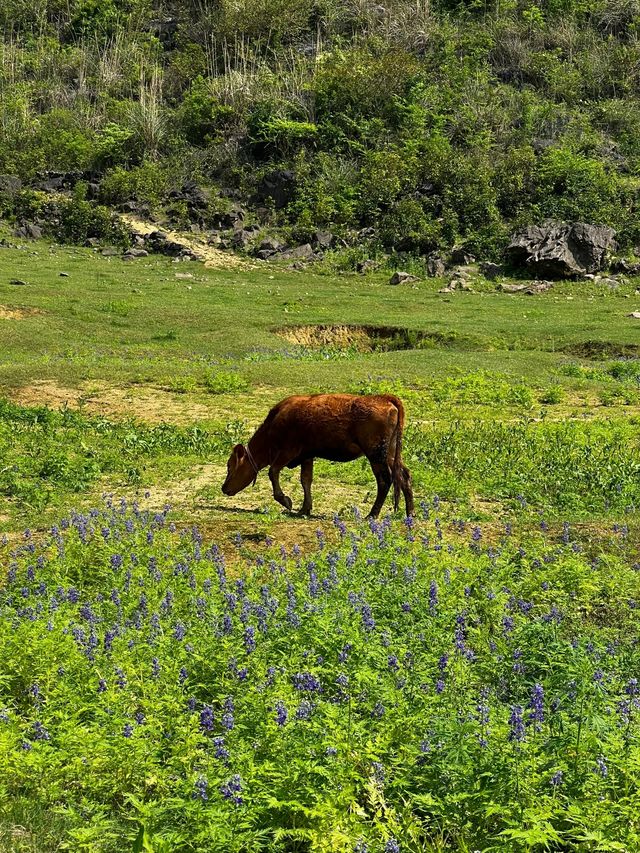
column 201, row 117
column 146, row 183
column 273, row 134
column 69, row 220
column 224, row 382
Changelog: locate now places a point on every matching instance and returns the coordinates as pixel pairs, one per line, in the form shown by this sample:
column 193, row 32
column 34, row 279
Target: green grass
column 500, row 407
column 132, row 322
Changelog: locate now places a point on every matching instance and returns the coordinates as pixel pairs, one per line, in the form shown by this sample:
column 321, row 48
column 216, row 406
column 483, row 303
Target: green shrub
column 271, row 133
column 146, row 183
column 224, row 382
column 201, row 117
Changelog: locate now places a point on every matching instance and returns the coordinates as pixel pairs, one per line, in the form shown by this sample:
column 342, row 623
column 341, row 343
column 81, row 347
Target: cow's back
column 339, row 427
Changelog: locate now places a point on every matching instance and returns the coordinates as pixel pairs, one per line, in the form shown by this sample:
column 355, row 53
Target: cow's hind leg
column 306, row 478
column 407, row 491
column 278, row 494
column 382, row 472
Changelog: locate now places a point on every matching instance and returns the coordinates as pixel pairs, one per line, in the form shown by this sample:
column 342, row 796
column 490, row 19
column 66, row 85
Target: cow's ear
column 239, row 452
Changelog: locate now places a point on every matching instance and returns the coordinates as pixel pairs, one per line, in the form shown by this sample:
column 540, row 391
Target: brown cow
column 338, row 427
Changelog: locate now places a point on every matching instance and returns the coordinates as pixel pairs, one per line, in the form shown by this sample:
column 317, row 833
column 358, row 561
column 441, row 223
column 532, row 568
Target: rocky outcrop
column 401, row 277
column 561, row 250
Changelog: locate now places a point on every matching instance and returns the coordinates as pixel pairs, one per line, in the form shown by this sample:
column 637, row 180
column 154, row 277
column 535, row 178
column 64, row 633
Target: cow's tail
column 396, row 469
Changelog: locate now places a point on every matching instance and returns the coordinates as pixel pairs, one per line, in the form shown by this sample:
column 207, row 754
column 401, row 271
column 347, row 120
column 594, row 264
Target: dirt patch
column 8, row 312
column 376, row 338
column 141, row 402
column 212, row 258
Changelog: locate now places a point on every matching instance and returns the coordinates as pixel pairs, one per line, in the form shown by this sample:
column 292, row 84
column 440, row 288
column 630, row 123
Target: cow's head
column 241, row 471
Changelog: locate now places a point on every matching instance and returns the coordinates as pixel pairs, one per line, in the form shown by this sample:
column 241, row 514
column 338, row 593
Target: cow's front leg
column 278, row 494
column 306, row 478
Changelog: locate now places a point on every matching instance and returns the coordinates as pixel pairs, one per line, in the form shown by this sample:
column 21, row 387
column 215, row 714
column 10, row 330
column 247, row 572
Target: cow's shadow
column 239, row 510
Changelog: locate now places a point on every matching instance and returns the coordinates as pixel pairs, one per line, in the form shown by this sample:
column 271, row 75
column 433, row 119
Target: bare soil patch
column 212, row 258
column 141, row 402
column 9, row 312
column 375, row 338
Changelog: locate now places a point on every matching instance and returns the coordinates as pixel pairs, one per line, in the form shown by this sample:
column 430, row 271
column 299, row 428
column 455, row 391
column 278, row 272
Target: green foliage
column 273, row 134
column 444, row 685
column 145, row 183
column 95, row 18
column 71, row 220
column 224, row 382
column 460, row 122
column 202, row 118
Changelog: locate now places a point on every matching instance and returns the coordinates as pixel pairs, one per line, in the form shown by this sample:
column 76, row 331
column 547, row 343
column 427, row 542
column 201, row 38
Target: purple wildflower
column 200, row 789
column 516, row 723
column 232, row 789
column 281, row 713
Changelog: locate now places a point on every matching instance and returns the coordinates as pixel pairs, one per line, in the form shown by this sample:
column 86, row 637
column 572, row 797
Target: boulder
column 436, row 266
column 530, row 288
column 490, row 270
column 560, row 250
column 109, row 253
column 271, row 244
column 279, row 186
column 623, row 265
column 30, row 230
column 304, row 252
column 400, row 277
column 368, row 265
column 232, row 218
column 323, row 240
column 460, row 255
column 10, row 184
column 241, row 238
column 635, row 315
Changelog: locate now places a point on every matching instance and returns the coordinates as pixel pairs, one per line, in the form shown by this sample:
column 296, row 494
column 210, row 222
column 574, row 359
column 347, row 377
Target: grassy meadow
column 121, row 349
column 188, row 672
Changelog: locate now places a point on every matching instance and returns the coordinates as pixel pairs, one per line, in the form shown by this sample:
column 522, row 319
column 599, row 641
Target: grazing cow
column 338, row 427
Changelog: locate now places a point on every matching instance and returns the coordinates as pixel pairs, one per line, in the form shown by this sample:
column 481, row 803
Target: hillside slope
column 415, row 125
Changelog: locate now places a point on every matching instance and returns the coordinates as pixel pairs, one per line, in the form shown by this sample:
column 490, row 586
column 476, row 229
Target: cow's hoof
column 305, row 511
column 287, row 502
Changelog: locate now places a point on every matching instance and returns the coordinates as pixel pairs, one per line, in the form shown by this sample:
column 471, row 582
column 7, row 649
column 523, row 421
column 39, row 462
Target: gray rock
column 323, row 240
column 241, row 238
column 400, row 277
column 628, row 267
column 271, row 244
column 29, row 230
column 368, row 265
column 304, row 252
column 436, row 266
column 109, row 252
column 529, row 288
column 64, row 275
column 135, row 252
column 17, row 281
column 559, row 249
column 635, row 315
column 460, row 255
column 10, row 184
column 279, row 186
column 490, row 270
